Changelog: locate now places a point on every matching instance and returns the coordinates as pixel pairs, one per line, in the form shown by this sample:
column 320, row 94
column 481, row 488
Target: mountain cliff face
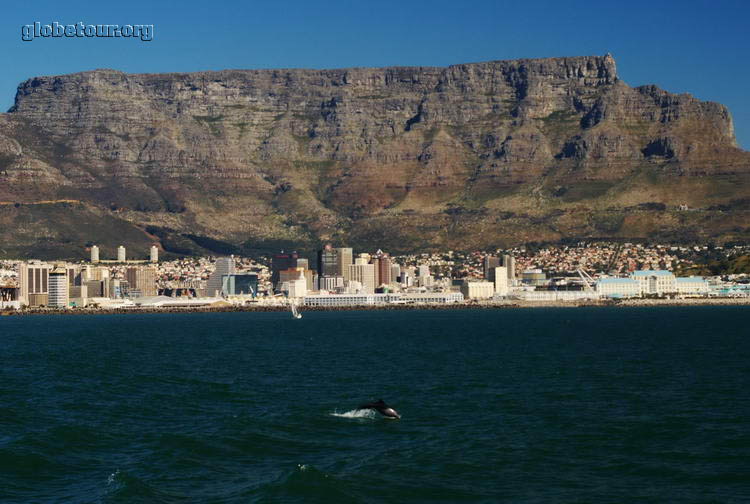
column 474, row 155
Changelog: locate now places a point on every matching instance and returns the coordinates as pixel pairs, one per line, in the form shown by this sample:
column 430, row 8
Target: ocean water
column 544, row 405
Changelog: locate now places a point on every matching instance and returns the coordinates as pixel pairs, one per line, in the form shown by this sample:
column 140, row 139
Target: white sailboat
column 296, row 314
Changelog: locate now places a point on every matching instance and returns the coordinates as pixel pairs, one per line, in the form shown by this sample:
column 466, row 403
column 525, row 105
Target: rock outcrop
column 466, row 156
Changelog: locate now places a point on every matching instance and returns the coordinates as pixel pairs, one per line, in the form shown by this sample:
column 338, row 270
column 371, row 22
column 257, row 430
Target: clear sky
column 699, row 47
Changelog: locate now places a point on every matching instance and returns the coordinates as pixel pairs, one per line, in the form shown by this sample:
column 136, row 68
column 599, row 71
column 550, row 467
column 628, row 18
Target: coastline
column 510, row 304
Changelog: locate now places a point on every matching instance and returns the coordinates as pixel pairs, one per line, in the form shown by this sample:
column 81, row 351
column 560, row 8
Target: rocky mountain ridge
column 466, row 156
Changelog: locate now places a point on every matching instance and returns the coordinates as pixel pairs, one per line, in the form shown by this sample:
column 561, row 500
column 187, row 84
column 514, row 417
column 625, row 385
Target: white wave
column 357, row 413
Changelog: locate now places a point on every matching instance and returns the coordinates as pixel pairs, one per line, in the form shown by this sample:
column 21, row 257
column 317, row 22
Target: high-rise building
column 280, row 262
column 224, row 266
column 395, row 272
column 364, row 273
column 510, row 265
column 154, row 254
column 382, row 268
column 58, row 288
column 74, row 275
column 121, row 254
column 489, row 265
column 94, row 254
column 33, row 280
column 142, row 279
column 344, row 259
column 500, row 278
column 327, row 261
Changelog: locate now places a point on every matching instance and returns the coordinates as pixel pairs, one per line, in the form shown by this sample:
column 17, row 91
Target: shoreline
column 510, row 304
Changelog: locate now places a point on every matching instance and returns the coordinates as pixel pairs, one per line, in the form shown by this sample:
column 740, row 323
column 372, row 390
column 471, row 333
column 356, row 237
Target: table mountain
column 405, row 158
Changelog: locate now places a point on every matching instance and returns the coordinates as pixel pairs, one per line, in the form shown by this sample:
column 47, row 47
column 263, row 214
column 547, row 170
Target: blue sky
column 700, row 47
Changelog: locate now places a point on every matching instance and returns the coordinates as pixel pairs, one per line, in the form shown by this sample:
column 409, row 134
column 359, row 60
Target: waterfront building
column 691, row 286
column 331, row 283
column 121, row 257
column 363, row 272
column 618, row 287
column 535, row 277
column 33, row 283
column 224, row 266
column 141, row 279
column 344, row 259
column 659, row 282
column 478, row 290
column 94, row 254
column 432, row 297
column 500, row 279
column 58, row 288
column 297, row 288
column 235, row 285
column 154, row 255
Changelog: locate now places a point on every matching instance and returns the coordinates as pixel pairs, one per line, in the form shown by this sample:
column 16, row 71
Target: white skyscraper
column 121, row 254
column 58, row 288
column 154, row 254
column 224, row 266
column 94, row 254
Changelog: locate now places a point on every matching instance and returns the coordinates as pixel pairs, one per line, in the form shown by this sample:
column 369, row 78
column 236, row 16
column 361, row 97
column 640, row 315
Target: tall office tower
column 142, row 279
column 33, row 283
column 58, row 288
column 363, row 272
column 154, row 254
column 74, row 275
column 94, row 254
column 303, row 262
column 344, row 259
column 489, row 265
column 382, row 268
column 121, row 254
column 395, row 272
column 224, row 266
column 501, row 280
column 327, row 261
column 281, row 262
column 510, row 264
column 423, row 270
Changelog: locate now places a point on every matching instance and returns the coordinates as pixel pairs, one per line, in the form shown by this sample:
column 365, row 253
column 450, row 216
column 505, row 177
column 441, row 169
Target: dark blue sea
column 600, row 405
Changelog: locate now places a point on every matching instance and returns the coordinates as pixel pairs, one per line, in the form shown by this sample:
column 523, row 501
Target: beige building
column 33, row 283
column 142, row 279
column 478, row 290
column 363, row 272
column 344, row 259
column 501, row 280
column 659, row 282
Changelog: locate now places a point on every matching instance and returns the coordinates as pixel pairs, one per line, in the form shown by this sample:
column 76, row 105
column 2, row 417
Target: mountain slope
column 466, row 156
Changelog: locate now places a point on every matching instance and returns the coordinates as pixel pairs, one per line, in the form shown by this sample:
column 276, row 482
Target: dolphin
column 381, row 407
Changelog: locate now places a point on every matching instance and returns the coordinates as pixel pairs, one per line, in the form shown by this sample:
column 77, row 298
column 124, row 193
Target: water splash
column 357, row 413
column 113, row 477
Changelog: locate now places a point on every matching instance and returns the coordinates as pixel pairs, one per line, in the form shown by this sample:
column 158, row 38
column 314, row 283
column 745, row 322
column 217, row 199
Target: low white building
column 432, row 298
column 618, row 287
column 691, row 286
column 658, row 282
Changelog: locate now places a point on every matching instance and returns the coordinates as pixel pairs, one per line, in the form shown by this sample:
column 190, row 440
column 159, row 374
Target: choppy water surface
column 557, row 405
